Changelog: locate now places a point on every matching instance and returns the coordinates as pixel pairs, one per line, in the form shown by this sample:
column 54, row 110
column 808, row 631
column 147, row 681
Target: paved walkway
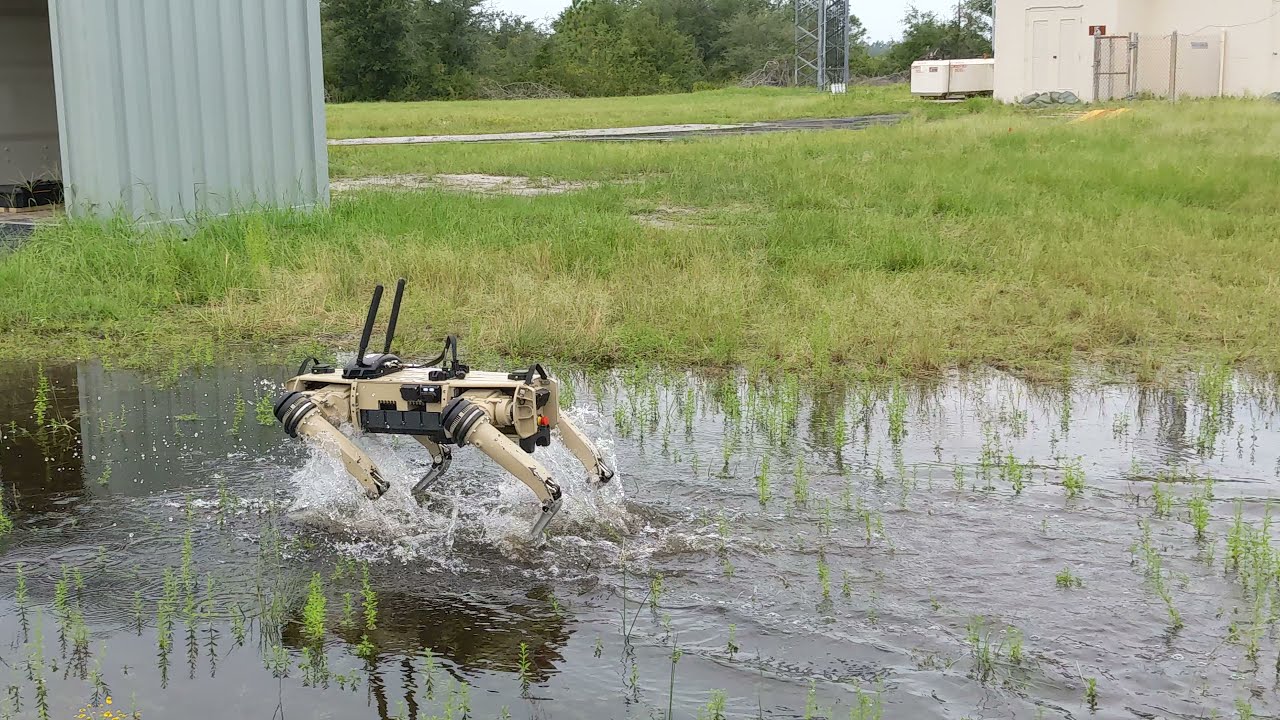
column 644, row 132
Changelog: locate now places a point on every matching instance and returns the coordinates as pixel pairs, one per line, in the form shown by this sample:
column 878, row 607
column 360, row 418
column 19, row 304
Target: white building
column 1164, row 47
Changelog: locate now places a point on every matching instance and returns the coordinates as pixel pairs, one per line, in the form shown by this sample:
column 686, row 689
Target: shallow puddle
column 973, row 548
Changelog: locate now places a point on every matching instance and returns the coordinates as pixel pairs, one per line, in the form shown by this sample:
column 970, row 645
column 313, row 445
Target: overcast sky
column 882, row 19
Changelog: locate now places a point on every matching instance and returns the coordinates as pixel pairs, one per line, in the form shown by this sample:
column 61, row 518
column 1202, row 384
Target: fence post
column 1222, row 63
column 1097, row 66
column 1133, row 65
column 1173, row 67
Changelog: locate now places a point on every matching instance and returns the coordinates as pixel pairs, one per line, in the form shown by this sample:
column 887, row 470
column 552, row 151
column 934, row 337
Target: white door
column 1055, row 50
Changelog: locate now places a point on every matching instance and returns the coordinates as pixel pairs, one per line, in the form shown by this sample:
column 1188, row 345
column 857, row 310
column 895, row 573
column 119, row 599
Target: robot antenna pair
column 440, row 403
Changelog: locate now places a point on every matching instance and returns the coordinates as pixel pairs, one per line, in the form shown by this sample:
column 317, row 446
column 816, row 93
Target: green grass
column 997, row 238
column 455, row 117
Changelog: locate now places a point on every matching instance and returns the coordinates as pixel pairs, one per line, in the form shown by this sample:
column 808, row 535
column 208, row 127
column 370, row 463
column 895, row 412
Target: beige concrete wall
column 28, row 113
column 1015, row 75
column 1251, row 29
column 1232, row 43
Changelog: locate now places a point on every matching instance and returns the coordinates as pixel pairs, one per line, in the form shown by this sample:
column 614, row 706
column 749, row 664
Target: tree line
column 447, row 49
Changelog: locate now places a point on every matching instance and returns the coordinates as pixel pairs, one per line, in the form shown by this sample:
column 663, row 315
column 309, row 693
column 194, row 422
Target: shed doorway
column 30, row 162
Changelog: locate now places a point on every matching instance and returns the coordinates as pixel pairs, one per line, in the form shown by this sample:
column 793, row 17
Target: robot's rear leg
column 597, row 470
column 440, row 458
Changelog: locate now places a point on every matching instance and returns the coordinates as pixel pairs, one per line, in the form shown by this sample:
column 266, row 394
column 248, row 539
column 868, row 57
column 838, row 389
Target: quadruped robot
column 441, row 403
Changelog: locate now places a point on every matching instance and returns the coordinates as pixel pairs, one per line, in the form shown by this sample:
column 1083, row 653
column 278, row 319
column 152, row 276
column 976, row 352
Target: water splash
column 476, row 506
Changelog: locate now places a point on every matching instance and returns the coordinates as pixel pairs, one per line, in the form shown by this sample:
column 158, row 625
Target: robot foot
column 549, row 510
column 438, row 468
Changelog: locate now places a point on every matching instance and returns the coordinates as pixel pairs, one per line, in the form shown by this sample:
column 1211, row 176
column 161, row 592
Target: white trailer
column 939, row 79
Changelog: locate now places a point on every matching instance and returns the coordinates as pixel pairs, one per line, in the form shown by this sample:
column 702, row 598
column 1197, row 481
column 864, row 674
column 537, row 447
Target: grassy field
column 1147, row 240
column 735, row 105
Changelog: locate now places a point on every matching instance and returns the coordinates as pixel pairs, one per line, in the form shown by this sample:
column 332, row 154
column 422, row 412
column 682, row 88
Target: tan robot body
column 507, row 416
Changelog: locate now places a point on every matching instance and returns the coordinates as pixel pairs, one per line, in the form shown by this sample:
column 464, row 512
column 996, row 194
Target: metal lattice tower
column 822, row 43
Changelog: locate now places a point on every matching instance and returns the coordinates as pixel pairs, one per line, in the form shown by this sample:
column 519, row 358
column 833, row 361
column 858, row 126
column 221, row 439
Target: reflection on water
column 815, row 552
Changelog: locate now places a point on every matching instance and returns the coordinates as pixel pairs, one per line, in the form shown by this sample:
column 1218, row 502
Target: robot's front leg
column 440, row 458
column 597, row 470
column 299, row 416
column 467, row 423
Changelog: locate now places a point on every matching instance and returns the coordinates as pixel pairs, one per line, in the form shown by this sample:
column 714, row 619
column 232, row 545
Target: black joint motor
column 291, row 408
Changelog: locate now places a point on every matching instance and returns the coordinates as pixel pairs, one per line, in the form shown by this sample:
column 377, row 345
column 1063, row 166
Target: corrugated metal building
column 164, row 109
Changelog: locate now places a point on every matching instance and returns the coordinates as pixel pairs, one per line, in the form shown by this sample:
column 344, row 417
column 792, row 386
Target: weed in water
column 525, row 665
column 20, row 598
column 1014, row 638
column 1068, row 580
column 366, row 648
column 237, row 417
column 762, row 482
column 41, row 404
column 1161, row 500
column 866, row 706
column 801, row 487
column 715, row 707
column 263, row 411
column 429, row 673
column 1198, row 509
column 313, row 612
column 984, row 654
column 348, row 611
column 897, row 414
column 1073, row 478
column 824, row 575
column 732, row 646
column 1091, row 693
column 1014, row 473
column 655, row 591
column 370, row 599
column 6, row 523
column 676, row 652
column 1244, row 710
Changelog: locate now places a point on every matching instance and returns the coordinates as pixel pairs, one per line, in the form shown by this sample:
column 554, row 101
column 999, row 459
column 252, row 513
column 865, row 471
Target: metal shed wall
column 174, row 108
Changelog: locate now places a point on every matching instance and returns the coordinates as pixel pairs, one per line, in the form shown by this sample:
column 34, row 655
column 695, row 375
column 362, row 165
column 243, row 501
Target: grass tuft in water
column 866, row 706
column 1199, row 509
column 1014, row 473
column 1068, row 580
column 801, row 487
column 263, row 411
column 370, row 600
column 1073, row 478
column 762, row 482
column 525, row 665
column 313, row 612
column 6, row 523
column 824, row 574
column 715, row 707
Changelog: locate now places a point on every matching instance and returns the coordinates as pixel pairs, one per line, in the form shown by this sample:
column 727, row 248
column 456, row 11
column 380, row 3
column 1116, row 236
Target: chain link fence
column 1169, row 66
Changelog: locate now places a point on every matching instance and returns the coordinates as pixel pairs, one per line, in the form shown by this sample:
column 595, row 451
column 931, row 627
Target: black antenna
column 395, row 315
column 368, row 325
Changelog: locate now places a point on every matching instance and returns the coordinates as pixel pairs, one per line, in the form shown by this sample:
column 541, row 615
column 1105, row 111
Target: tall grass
column 999, row 238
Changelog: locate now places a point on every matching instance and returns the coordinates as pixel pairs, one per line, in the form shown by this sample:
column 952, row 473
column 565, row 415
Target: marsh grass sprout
column 313, row 612
column 262, row 410
column 762, row 482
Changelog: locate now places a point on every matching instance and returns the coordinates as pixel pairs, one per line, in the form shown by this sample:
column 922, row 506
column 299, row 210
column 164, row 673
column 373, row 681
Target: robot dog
column 440, row 403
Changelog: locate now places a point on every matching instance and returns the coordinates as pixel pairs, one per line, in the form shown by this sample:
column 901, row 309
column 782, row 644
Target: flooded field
column 973, row 548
